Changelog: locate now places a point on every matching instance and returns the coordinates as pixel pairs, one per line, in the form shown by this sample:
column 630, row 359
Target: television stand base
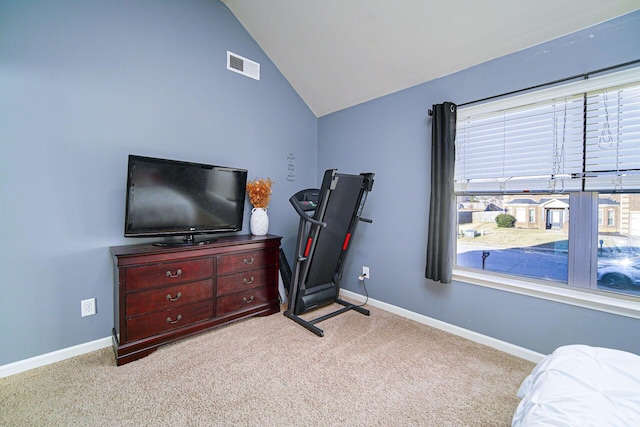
column 188, row 241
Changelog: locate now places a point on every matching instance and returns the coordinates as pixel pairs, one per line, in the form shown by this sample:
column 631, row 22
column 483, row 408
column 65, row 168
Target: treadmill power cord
column 362, row 278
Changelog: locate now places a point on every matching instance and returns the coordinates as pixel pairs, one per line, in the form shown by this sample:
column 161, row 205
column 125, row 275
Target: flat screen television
column 176, row 198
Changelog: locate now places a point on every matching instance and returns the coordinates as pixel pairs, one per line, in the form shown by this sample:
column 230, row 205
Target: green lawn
column 490, row 235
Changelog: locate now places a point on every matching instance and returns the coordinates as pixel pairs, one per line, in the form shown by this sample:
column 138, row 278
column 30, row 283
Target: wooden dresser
column 164, row 294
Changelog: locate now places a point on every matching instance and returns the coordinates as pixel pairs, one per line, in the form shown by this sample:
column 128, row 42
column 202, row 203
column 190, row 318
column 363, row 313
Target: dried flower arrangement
column 259, row 191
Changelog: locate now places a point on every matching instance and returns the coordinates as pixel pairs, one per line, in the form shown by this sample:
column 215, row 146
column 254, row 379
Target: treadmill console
column 307, row 199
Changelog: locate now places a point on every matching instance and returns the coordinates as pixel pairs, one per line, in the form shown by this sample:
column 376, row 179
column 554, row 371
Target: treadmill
column 328, row 220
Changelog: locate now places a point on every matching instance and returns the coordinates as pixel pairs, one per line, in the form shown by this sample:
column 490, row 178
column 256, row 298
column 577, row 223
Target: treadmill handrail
column 303, row 214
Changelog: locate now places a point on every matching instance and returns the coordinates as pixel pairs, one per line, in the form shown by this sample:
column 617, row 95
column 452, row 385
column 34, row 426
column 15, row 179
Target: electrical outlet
column 88, row 307
column 365, row 272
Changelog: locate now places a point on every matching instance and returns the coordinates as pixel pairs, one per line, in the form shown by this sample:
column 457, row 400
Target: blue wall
column 84, row 84
column 391, row 137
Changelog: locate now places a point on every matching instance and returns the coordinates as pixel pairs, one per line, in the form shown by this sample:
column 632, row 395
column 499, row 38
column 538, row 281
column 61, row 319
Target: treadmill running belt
column 330, row 240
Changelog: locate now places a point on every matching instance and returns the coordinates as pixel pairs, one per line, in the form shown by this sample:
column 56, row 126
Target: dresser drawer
column 169, row 297
column 154, row 323
column 153, row 276
column 246, row 280
column 238, row 262
column 246, row 300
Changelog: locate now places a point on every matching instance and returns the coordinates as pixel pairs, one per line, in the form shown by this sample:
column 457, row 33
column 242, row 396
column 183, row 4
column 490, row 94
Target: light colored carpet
column 379, row 370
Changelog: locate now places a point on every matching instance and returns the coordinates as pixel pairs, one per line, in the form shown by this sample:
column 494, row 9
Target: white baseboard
column 77, row 350
column 515, row 350
column 54, row 356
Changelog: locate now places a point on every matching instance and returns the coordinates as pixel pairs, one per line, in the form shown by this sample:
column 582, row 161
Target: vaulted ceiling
column 339, row 53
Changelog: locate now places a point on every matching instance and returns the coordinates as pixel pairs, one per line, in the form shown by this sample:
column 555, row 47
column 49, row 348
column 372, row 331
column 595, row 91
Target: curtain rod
column 566, row 79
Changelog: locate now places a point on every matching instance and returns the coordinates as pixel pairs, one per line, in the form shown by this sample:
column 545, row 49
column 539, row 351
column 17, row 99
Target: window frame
column 577, row 294
column 619, row 304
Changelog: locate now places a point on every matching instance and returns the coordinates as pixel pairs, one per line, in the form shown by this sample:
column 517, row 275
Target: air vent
column 243, row 66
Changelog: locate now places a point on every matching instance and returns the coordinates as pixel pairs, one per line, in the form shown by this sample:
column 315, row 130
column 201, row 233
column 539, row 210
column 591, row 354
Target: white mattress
column 578, row 385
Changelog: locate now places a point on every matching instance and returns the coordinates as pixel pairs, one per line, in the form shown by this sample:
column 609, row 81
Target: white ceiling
column 339, row 53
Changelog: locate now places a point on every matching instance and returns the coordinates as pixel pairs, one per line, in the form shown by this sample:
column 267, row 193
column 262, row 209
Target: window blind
column 583, row 135
column 612, row 146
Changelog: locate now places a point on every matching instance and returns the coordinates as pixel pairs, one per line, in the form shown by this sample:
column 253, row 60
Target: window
column 618, row 265
column 565, row 164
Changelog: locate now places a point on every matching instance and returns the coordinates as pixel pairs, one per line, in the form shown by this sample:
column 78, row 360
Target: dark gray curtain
column 442, row 213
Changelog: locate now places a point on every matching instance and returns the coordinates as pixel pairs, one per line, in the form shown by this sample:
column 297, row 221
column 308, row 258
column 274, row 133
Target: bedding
column 579, row 385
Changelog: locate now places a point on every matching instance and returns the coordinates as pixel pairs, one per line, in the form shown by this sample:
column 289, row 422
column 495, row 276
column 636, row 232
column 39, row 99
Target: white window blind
column 540, row 142
column 612, row 157
column 533, row 148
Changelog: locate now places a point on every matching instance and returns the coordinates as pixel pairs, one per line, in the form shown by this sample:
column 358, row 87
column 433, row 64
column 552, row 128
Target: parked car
column 619, row 273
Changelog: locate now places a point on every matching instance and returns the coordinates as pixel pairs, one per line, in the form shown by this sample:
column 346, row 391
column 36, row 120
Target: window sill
column 620, row 305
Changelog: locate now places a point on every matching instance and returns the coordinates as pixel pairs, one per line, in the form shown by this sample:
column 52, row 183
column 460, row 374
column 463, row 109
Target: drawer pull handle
column 173, row 322
column 249, row 261
column 247, row 300
column 170, row 298
column 247, row 282
column 173, row 276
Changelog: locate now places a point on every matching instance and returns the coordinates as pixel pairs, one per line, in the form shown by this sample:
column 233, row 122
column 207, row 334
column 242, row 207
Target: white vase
column 259, row 221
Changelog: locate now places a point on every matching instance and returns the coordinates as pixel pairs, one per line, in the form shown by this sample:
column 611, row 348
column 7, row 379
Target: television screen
column 169, row 197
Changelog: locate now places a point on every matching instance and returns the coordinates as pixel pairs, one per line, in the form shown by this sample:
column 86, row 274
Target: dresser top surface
column 221, row 242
